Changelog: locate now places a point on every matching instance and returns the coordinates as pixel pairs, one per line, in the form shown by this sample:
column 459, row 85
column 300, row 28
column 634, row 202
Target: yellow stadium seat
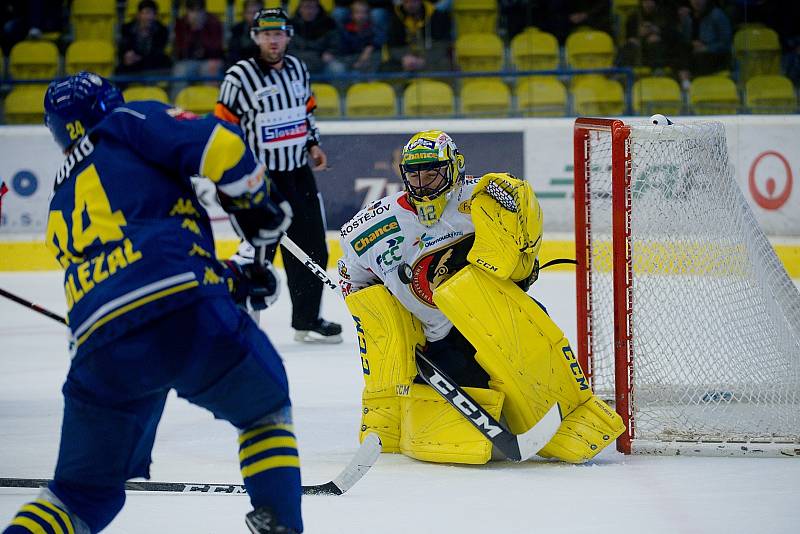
column 218, row 8
column 598, row 97
column 479, row 52
column 370, row 99
column 757, row 51
column 771, row 94
column 327, row 98
column 25, row 105
column 33, row 59
column 137, row 93
column 164, row 11
column 622, row 10
column 626, row 4
column 428, row 98
column 590, row 50
column 485, row 97
column 94, row 56
column 714, row 95
column 94, row 19
column 198, row 99
column 657, row 94
column 534, row 50
column 541, row 96
column 475, row 16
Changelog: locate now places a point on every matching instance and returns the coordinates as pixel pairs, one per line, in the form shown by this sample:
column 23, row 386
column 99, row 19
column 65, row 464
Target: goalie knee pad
column 527, row 357
column 387, row 335
column 521, row 348
column 434, row 431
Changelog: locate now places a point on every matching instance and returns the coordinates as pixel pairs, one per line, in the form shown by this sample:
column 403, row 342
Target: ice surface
column 399, row 495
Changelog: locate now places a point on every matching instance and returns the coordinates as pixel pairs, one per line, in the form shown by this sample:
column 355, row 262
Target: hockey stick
column 515, row 447
column 364, row 458
column 31, row 305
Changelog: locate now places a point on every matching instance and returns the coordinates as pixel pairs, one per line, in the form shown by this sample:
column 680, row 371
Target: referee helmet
column 274, row 18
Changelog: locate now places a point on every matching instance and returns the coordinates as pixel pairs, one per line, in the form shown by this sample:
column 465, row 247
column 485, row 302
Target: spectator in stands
column 420, row 38
column 380, row 12
column 315, row 39
column 707, row 37
column 358, row 43
column 651, row 36
column 198, row 43
column 142, row 44
column 241, row 45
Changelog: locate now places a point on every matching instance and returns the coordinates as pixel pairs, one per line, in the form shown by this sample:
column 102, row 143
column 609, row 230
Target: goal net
column 686, row 317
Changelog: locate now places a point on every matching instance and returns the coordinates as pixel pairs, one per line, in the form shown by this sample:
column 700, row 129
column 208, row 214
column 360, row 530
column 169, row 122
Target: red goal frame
column 622, row 262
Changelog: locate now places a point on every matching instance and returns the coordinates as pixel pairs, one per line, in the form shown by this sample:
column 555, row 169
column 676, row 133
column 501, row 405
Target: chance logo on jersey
column 375, row 233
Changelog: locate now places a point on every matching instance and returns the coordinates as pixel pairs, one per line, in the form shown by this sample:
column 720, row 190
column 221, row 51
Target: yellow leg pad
column 387, row 335
column 585, row 432
column 434, row 431
column 522, row 349
column 380, row 413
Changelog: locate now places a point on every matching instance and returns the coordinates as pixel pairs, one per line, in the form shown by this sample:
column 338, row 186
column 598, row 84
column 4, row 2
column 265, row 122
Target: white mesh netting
column 716, row 320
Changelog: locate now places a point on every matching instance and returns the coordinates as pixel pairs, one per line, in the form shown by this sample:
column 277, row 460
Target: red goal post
column 685, row 316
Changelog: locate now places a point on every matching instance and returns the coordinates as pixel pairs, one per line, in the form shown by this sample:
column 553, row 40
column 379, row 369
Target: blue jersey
column 126, row 224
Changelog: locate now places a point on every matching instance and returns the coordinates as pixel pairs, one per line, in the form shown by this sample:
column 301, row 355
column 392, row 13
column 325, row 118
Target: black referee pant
column 308, row 231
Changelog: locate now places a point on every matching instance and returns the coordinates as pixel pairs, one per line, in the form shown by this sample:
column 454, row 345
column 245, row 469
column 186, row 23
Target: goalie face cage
column 686, row 317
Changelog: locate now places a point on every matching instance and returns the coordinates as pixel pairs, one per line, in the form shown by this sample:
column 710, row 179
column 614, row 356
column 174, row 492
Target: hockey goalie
column 445, row 265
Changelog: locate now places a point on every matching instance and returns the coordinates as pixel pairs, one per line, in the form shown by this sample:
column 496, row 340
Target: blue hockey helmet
column 75, row 105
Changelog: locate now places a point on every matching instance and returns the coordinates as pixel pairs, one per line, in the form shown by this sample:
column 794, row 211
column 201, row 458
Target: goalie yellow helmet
column 431, row 167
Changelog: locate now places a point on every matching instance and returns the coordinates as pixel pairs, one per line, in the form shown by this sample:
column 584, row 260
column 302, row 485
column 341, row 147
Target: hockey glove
column 254, row 286
column 258, row 218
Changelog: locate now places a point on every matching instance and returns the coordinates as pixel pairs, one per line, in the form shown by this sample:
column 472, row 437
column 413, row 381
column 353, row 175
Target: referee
column 269, row 96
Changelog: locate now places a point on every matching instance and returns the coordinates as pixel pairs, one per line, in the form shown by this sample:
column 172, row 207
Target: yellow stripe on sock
column 61, row 513
column 48, row 518
column 272, row 462
column 268, row 443
column 256, row 431
column 30, row 524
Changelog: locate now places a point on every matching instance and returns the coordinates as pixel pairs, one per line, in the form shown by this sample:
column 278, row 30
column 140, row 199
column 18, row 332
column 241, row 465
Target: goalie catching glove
column 253, row 286
column 508, row 228
column 261, row 218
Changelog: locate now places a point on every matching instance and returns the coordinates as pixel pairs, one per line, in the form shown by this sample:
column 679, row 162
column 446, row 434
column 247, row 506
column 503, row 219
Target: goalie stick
column 516, row 447
column 364, row 458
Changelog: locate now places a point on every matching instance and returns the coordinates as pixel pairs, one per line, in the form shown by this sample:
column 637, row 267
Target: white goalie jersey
column 386, row 244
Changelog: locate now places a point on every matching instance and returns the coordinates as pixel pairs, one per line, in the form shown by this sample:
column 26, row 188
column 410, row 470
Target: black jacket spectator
column 142, row 43
column 315, row 38
column 359, row 45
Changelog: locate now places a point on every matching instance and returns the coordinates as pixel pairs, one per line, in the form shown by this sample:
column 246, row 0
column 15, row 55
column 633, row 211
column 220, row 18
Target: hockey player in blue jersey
column 150, row 307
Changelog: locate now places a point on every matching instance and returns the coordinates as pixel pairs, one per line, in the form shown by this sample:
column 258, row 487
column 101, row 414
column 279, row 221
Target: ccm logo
column 489, row 266
column 464, row 405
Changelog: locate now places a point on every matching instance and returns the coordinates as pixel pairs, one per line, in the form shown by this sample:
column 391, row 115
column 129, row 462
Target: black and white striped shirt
column 274, row 108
